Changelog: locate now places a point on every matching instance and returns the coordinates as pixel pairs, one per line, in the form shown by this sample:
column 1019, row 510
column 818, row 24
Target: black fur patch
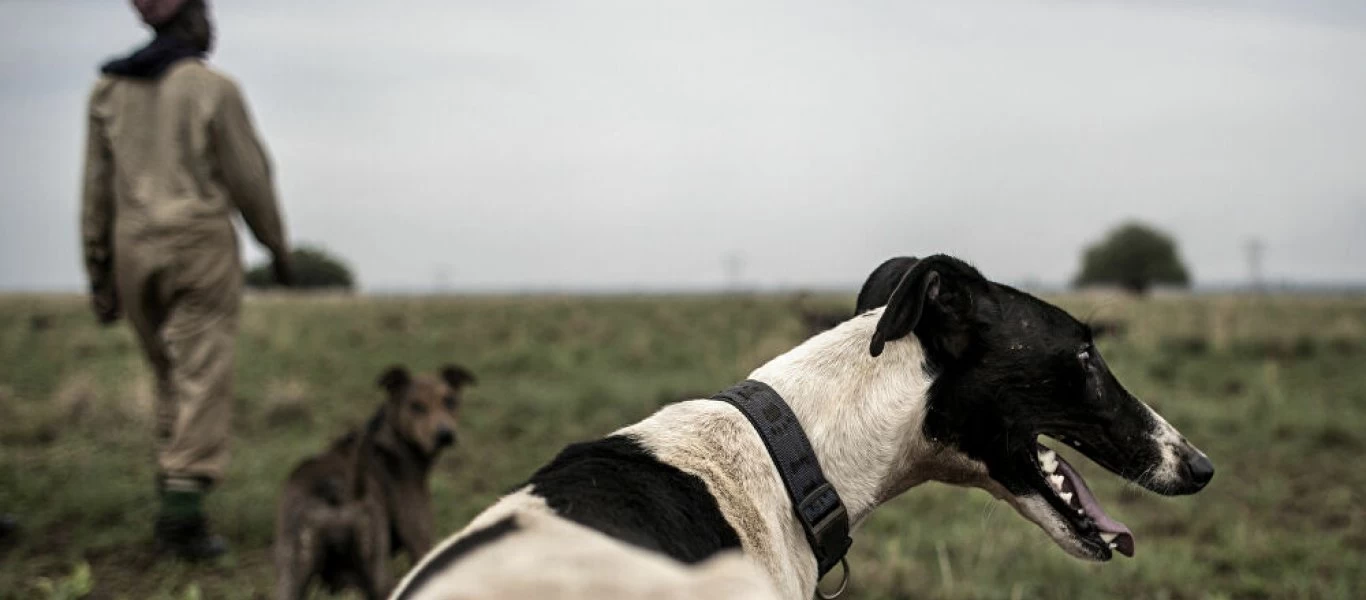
column 615, row 486
column 453, row 552
column 878, row 288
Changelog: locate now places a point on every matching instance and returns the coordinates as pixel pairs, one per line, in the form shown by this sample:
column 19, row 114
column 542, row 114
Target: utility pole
column 734, row 266
column 1255, row 251
column 441, row 279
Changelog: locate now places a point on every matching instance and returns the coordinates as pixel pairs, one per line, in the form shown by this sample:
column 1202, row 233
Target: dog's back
column 522, row 549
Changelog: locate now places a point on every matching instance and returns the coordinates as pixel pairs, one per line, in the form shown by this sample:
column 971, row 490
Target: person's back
column 187, row 158
column 166, row 133
column 171, row 154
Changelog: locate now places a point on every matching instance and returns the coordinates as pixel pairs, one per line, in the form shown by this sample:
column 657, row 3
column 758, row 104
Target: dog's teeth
column 1113, row 545
column 1048, row 460
column 1066, row 497
column 1056, row 481
column 1108, row 537
column 1081, row 512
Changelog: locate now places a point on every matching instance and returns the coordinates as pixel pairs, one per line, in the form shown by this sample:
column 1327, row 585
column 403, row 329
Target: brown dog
column 346, row 511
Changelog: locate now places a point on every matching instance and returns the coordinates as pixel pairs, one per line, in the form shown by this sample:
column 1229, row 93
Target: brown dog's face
column 423, row 409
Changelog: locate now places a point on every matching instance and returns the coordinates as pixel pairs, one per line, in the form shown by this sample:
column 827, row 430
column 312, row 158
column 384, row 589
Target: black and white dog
column 955, row 380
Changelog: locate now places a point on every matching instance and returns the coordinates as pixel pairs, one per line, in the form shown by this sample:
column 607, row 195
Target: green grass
column 1273, row 389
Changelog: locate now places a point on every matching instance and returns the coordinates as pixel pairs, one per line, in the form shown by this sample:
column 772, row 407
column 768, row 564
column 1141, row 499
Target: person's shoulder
column 102, row 85
column 205, row 77
column 99, row 92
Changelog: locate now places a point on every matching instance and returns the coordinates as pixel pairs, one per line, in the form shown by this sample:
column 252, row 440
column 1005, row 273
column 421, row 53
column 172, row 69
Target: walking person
column 171, row 155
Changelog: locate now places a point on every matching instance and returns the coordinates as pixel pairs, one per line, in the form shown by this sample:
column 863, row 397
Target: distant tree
column 312, row 268
column 1135, row 257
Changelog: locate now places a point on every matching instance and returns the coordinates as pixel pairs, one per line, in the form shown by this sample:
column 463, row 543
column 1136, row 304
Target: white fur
column 713, row 441
column 1172, row 443
column 520, row 502
column 552, row 558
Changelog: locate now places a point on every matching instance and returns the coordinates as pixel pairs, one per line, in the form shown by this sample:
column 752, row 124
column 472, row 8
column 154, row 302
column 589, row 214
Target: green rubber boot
column 181, row 528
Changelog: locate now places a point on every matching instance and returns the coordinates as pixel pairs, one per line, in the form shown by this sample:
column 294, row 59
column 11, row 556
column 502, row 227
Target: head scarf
column 167, row 49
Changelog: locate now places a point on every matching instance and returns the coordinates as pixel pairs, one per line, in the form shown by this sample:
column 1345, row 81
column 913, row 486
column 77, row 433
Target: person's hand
column 283, row 274
column 104, row 302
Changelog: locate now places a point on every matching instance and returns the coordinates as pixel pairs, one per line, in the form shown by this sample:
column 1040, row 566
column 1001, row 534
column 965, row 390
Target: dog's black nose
column 444, row 437
column 1201, row 469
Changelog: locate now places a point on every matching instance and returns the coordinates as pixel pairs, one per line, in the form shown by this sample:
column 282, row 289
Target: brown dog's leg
column 295, row 562
column 414, row 527
column 377, row 581
column 374, row 549
column 287, row 577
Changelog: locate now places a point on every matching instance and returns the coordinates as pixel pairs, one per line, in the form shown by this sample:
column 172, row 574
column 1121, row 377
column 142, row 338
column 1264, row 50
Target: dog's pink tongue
column 1124, row 538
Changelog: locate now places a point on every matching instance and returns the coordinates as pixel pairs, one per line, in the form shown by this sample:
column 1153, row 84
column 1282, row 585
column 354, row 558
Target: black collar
column 815, row 501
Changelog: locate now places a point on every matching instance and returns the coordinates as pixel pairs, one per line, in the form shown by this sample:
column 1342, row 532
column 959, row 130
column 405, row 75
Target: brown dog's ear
column 933, row 300
column 457, row 376
column 394, row 379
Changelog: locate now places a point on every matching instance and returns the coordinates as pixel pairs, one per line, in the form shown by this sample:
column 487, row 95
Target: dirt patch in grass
column 76, row 399
column 40, row 322
column 287, row 403
column 1336, row 437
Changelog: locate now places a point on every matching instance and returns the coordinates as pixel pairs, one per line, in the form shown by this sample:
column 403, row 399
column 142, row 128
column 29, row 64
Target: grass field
column 1274, row 389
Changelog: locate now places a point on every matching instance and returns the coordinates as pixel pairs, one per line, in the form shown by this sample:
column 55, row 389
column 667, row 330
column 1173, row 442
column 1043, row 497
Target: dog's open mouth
column 1082, row 512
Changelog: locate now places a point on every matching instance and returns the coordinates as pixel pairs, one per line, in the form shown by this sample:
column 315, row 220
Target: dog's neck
column 862, row 414
column 409, row 461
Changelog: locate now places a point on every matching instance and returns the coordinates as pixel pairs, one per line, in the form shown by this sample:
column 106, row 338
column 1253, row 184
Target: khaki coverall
column 168, row 162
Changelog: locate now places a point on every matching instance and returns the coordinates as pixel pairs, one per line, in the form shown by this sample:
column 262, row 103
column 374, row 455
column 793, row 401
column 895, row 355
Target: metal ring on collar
column 844, row 583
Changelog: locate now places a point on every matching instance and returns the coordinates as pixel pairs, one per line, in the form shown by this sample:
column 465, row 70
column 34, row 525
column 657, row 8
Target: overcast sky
column 610, row 145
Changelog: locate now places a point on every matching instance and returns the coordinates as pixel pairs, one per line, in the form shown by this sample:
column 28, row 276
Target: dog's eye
column 419, row 408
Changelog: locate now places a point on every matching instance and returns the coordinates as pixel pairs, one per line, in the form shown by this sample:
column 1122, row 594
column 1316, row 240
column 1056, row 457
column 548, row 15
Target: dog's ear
column 394, row 379
column 457, row 376
column 934, row 300
column 877, row 289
